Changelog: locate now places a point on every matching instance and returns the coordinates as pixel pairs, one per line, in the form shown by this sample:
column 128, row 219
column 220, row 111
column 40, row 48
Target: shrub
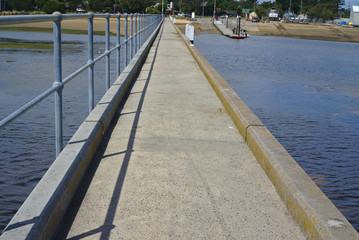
column 14, row 12
column 36, row 13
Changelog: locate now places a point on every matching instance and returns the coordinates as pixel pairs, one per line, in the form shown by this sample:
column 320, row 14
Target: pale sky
column 351, row 2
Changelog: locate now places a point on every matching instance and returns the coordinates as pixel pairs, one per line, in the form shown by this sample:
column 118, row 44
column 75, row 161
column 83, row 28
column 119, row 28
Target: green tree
column 233, row 5
column 327, row 14
column 53, row 6
column 39, row 3
column 325, row 11
column 75, row 4
column 96, row 5
column 248, row 4
column 239, row 10
column 159, row 6
column 261, row 11
column 22, row 5
column 136, row 5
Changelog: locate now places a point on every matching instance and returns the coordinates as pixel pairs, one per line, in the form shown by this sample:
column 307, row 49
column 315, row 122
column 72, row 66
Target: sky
column 351, row 2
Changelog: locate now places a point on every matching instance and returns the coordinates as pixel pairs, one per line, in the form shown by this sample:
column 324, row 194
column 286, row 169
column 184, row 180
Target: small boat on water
column 242, row 35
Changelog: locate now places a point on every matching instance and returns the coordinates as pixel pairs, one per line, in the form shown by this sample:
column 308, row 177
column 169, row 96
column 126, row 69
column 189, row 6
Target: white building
column 354, row 16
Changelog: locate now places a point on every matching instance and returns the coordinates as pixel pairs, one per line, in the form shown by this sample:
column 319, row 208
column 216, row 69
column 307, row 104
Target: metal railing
column 141, row 27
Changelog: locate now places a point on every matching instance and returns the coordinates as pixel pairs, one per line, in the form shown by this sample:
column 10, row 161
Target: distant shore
column 72, row 26
column 292, row 30
column 204, row 25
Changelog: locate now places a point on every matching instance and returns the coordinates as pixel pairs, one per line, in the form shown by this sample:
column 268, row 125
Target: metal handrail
column 141, row 27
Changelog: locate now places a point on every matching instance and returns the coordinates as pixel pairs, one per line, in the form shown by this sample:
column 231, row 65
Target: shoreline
column 204, row 26
column 322, row 32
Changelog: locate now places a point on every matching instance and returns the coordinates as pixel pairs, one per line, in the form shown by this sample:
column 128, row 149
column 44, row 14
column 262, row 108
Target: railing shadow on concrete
column 108, row 225
column 40, row 214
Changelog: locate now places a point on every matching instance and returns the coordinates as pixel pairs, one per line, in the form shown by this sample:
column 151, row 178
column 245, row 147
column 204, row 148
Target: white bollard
column 190, row 32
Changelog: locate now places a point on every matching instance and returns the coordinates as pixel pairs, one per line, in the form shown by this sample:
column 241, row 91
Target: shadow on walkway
column 108, row 225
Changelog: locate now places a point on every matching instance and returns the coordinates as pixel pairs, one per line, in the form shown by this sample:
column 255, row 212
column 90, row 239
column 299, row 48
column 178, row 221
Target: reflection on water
column 27, row 145
column 307, row 94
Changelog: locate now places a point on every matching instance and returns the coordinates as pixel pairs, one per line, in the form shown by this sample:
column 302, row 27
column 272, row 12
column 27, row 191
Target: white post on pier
column 190, row 33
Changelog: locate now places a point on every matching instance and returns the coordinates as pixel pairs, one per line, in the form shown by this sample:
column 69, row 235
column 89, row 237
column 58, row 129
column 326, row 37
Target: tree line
column 325, row 9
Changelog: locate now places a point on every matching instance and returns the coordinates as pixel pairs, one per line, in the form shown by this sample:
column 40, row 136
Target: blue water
column 307, row 94
column 27, row 146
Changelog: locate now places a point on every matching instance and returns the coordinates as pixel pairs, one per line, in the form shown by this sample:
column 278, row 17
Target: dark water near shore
column 27, row 146
column 307, row 94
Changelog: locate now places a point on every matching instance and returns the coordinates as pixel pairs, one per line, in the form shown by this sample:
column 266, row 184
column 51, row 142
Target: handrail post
column 140, row 36
column 118, row 45
column 126, row 39
column 141, row 28
column 58, row 82
column 136, row 33
column 91, row 87
column 145, row 25
column 107, row 51
column 131, row 36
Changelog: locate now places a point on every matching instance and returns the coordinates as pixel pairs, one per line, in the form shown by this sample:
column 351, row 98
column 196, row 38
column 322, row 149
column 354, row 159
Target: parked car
column 80, row 10
column 255, row 19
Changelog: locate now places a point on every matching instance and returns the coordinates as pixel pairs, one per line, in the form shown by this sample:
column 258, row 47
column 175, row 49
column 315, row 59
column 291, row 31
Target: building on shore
column 354, row 16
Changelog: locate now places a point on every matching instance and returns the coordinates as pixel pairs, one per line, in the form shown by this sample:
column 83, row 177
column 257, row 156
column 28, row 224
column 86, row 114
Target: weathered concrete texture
column 173, row 165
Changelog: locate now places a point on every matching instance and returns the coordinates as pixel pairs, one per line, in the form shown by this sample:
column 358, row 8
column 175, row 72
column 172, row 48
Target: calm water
column 27, row 145
column 307, row 93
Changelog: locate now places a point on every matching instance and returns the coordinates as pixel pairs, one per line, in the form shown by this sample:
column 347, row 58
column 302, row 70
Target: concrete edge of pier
column 40, row 214
column 315, row 214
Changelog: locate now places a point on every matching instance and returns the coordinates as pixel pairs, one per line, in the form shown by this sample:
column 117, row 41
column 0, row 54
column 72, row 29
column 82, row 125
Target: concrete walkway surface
column 173, row 165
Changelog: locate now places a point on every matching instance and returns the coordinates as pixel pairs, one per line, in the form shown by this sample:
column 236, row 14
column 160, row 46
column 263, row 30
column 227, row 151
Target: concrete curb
column 315, row 214
column 42, row 211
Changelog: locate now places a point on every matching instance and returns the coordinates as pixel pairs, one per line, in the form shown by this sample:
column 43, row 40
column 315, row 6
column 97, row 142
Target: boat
column 273, row 15
column 289, row 17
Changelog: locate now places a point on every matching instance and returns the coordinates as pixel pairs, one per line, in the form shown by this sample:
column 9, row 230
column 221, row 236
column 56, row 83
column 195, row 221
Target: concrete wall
column 312, row 210
column 42, row 211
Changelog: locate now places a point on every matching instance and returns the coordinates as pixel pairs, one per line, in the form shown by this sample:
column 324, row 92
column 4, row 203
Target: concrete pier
column 172, row 152
column 173, row 165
